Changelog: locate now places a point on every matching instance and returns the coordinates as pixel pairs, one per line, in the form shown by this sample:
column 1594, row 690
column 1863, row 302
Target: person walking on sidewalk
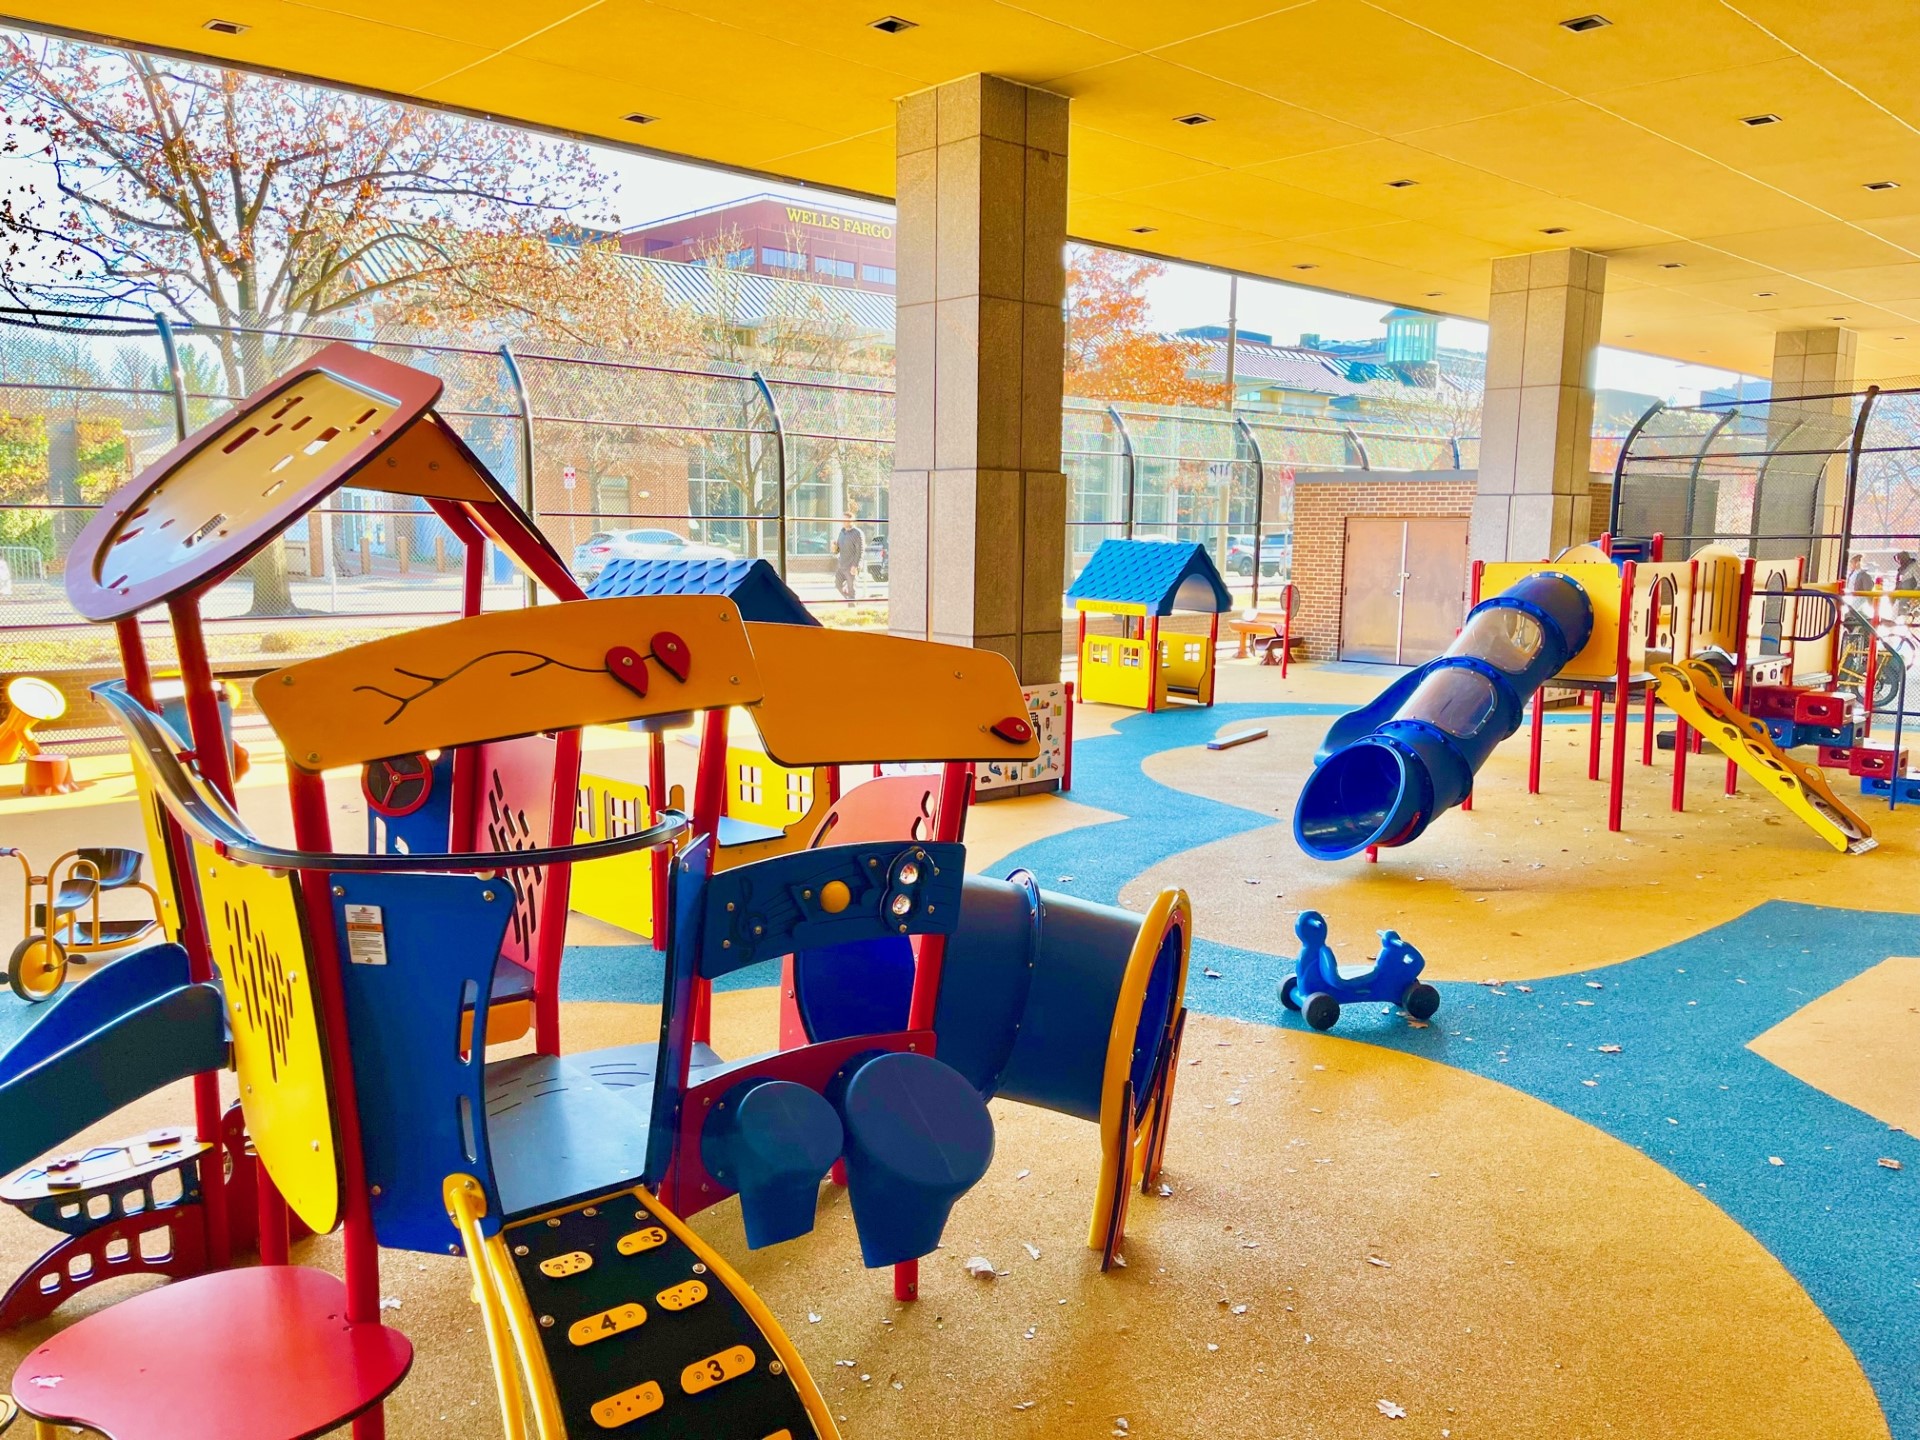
column 848, row 546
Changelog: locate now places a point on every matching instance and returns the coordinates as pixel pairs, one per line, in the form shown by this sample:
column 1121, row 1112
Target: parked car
column 591, row 555
column 1275, row 550
column 876, row 558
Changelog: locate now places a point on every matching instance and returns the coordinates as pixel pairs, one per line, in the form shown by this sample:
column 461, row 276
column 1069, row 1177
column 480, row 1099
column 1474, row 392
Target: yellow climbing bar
column 1692, row 691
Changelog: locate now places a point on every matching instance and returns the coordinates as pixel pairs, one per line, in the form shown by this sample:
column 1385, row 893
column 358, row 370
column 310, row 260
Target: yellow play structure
column 1141, row 581
column 1697, row 635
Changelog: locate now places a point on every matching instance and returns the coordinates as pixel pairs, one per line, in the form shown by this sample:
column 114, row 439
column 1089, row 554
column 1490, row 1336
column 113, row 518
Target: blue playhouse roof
column 1164, row 576
column 753, row 585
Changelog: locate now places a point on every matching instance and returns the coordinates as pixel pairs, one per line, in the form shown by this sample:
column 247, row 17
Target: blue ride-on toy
column 1317, row 988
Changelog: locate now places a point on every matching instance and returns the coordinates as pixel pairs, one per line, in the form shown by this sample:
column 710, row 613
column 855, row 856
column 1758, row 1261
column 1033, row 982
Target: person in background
column 848, row 546
column 1859, row 578
column 1906, row 576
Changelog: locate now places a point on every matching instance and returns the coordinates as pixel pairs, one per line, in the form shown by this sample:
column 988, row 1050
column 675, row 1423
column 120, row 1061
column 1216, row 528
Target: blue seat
column 773, row 1141
column 918, row 1138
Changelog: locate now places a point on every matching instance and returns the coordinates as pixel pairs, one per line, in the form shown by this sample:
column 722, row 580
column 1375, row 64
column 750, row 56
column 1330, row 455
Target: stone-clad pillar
column 1815, row 362
column 977, row 514
column 1543, row 332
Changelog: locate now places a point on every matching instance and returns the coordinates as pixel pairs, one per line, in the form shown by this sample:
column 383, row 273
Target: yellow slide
column 1692, row 691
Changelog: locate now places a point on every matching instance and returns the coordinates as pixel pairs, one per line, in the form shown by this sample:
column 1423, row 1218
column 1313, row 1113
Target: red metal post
column 1286, row 628
column 709, row 804
column 1616, row 794
column 1534, row 741
column 551, row 923
column 1151, row 631
column 1080, row 650
column 1594, row 707
column 193, row 935
column 1213, row 654
column 1066, row 761
column 1681, row 740
column 312, row 830
column 662, row 855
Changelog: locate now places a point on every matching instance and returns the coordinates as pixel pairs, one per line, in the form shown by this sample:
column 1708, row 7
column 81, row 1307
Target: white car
column 591, row 555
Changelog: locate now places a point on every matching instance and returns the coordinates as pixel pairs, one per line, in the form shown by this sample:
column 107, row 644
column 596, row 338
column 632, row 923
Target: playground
column 1442, row 1218
column 580, row 1018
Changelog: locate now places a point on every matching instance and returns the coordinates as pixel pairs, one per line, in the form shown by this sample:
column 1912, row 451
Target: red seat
column 259, row 1354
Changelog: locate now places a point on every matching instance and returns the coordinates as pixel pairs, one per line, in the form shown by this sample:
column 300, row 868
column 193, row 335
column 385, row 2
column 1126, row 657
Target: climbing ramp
column 1692, row 691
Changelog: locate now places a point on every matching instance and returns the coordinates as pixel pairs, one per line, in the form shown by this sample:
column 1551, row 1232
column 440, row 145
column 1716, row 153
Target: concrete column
column 1536, row 428
column 977, row 516
column 1814, row 362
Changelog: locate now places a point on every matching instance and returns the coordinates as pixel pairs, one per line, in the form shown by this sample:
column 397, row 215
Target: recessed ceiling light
column 1580, row 24
column 1194, row 119
column 1144, row 230
column 636, row 118
column 1765, row 294
column 1435, row 294
column 1306, row 267
column 1899, row 337
column 893, row 24
column 1758, row 120
column 1836, row 317
column 1401, row 184
column 1673, row 264
column 226, row 27
column 1881, row 185
column 1554, row 230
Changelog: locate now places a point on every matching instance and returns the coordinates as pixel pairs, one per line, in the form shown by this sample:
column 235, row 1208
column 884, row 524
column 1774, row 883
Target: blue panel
column 688, row 884
column 78, row 1011
column 753, row 585
column 1159, row 575
column 860, row 988
column 177, row 1033
column 778, row 906
column 422, row 1103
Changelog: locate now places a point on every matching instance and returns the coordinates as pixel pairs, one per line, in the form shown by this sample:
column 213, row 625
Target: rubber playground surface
column 1648, row 1172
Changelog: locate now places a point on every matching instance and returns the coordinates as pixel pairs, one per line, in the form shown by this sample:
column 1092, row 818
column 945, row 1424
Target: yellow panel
column 627, row 1406
column 717, row 1369
column 152, row 812
column 514, row 672
column 1113, row 671
column 1599, row 658
column 848, row 697
column 616, row 1321
column 619, row 888
column 256, row 932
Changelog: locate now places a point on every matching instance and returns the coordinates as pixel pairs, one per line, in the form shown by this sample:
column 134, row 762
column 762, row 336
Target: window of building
column 782, row 259
column 827, row 265
column 877, row 274
column 739, row 259
column 610, row 497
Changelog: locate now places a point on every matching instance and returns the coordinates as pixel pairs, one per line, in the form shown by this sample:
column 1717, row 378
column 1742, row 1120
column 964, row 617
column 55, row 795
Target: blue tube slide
column 1387, row 769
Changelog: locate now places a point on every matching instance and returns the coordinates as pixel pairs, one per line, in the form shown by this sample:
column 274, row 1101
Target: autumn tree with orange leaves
column 249, row 203
column 1113, row 353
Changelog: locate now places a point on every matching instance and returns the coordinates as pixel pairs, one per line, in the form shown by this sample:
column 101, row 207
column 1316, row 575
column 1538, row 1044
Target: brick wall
column 1321, row 504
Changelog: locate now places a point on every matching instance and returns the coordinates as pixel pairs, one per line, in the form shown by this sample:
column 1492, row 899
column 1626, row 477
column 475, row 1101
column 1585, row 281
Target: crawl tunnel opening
column 1360, row 796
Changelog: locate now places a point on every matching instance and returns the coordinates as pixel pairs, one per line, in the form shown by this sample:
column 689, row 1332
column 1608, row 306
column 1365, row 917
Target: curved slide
column 1692, row 691
column 1386, row 770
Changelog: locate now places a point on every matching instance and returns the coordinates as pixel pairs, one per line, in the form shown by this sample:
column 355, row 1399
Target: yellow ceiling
column 1628, row 136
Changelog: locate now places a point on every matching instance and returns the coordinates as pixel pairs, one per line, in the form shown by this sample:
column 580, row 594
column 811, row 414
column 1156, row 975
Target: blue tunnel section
column 1387, row 769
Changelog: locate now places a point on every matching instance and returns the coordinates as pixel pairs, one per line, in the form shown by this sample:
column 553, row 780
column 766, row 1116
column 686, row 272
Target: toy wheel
column 1321, row 1011
column 1290, row 992
column 36, row 968
column 1122, row 1188
column 1152, row 1146
column 1420, row 1001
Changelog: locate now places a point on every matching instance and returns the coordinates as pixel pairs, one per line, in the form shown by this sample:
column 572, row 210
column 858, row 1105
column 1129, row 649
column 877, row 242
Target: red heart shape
column 671, row 651
column 1014, row 728
column 629, row 667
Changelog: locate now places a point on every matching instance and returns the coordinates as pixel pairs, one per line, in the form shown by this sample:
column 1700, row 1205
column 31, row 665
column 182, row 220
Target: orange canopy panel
column 847, row 697
column 510, row 673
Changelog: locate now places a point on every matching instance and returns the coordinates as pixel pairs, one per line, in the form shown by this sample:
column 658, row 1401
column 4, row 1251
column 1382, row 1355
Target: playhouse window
column 1130, row 658
column 1455, row 699
column 749, row 784
column 1100, row 653
column 1505, row 638
column 1191, row 652
column 799, row 790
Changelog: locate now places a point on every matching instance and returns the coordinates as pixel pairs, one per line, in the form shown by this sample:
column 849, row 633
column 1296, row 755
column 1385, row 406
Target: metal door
column 1404, row 588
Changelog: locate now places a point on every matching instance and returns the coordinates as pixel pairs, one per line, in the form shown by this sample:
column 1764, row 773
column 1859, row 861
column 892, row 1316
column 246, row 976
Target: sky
column 652, row 188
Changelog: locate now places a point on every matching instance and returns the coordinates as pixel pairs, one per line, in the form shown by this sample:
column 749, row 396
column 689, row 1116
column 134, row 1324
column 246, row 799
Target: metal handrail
column 206, row 815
